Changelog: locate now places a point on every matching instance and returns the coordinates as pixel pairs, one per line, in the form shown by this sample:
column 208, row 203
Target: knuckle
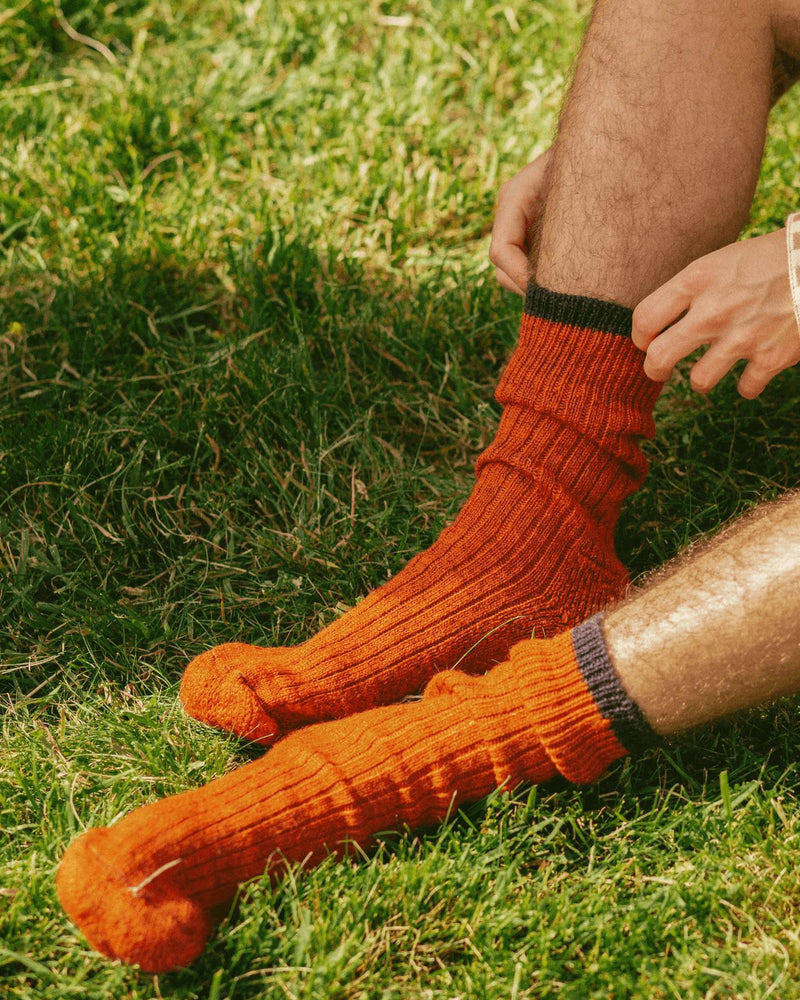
column 698, row 274
column 505, row 189
column 770, row 361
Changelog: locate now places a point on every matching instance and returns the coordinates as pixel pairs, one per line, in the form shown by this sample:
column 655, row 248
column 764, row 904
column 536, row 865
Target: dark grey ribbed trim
column 626, row 718
column 578, row 310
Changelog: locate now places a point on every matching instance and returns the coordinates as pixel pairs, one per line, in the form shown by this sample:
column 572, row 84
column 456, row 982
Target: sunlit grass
column 248, row 341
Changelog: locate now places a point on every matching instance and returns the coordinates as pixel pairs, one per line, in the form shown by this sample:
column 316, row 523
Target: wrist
column 793, row 260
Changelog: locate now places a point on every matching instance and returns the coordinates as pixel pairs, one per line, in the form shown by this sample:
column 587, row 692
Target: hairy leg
column 718, row 631
column 659, row 144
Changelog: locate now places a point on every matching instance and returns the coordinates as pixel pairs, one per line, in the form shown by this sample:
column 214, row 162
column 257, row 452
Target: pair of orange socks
column 530, row 554
column 150, row 889
column 531, row 551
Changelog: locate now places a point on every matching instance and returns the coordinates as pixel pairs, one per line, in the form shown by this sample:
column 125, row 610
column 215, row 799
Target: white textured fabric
column 793, row 251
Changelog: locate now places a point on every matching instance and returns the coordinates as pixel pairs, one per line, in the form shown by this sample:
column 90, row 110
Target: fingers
column 666, row 349
column 507, row 249
column 682, row 339
column 713, row 365
column 685, row 337
column 754, row 380
column 672, row 323
column 508, row 283
column 705, row 373
column 716, row 363
column 518, row 204
column 661, row 309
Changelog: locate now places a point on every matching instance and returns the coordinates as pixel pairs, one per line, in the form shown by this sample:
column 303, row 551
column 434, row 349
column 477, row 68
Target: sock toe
column 214, row 690
column 156, row 931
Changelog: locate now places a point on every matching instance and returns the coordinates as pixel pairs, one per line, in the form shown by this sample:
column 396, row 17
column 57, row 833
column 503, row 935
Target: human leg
column 718, row 632
column 659, row 144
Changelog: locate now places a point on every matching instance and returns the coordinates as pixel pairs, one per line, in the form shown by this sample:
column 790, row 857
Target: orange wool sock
column 150, row 889
column 530, row 553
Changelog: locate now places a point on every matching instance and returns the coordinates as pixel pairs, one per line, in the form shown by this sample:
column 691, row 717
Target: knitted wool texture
column 150, row 889
column 530, row 553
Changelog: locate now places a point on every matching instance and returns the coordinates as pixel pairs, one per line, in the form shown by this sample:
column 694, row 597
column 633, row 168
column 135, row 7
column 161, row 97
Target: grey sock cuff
column 578, row 310
column 613, row 702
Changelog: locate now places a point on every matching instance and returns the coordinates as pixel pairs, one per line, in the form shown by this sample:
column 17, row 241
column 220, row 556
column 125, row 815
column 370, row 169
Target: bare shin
column 718, row 631
column 659, row 144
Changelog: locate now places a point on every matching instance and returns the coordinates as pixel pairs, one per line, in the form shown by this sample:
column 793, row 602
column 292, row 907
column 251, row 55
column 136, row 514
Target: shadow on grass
column 187, row 458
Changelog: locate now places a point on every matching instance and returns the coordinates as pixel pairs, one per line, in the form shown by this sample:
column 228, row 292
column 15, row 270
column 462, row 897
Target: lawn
column 249, row 335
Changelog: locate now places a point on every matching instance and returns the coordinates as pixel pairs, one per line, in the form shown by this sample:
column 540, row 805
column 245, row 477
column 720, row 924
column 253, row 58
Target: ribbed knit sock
column 150, row 889
column 530, row 553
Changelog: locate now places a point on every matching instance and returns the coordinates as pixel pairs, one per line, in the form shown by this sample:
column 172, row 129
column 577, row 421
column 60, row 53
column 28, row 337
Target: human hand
column 519, row 201
column 738, row 301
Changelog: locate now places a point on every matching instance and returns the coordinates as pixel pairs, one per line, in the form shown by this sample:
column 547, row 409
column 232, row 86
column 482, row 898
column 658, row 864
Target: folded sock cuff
column 559, row 708
column 576, row 362
column 627, row 720
column 578, row 310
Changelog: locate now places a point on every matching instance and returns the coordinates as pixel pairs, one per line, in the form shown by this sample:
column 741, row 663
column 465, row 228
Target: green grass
column 248, row 339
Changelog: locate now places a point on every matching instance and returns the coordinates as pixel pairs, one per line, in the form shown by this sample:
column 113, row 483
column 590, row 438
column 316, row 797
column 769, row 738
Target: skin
column 717, row 631
column 520, row 201
column 598, row 214
column 737, row 301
